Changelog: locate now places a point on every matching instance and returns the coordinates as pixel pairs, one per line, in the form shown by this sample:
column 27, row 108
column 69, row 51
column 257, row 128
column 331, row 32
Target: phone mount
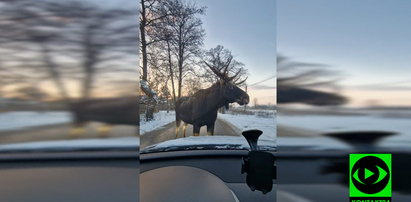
column 259, row 165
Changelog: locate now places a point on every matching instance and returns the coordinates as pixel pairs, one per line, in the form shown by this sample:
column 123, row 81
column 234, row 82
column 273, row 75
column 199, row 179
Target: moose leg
column 77, row 130
column 210, row 129
column 184, row 129
column 104, row 130
column 196, row 130
column 178, row 123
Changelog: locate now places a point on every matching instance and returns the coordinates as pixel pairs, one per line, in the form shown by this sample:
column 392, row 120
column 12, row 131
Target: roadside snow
column 89, row 144
column 247, row 122
column 335, row 123
column 161, row 118
column 207, row 142
column 25, row 119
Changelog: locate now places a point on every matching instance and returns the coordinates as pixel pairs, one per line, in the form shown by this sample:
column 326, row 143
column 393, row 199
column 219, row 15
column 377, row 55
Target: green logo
column 370, row 177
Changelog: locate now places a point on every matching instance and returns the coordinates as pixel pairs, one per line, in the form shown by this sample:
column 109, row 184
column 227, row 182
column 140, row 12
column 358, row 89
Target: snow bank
column 88, row 144
column 247, row 122
column 24, row 119
column 207, row 142
column 161, row 118
column 335, row 123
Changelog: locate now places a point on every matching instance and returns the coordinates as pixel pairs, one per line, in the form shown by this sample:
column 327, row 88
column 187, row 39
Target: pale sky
column 367, row 41
column 248, row 29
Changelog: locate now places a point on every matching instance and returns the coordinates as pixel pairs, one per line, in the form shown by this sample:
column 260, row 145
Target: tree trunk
column 150, row 107
column 152, row 100
column 180, row 63
column 144, row 79
column 54, row 74
column 171, row 71
column 180, row 80
column 143, row 42
column 168, row 105
column 87, row 84
column 180, row 76
column 89, row 64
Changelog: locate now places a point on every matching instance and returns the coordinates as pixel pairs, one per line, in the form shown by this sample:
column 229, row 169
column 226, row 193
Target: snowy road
column 168, row 133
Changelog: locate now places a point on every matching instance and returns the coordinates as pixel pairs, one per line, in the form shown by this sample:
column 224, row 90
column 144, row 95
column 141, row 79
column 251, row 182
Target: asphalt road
column 168, row 133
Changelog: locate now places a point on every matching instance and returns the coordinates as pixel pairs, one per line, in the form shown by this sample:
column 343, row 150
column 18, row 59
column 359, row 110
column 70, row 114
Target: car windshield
column 207, row 76
column 68, row 75
column 339, row 85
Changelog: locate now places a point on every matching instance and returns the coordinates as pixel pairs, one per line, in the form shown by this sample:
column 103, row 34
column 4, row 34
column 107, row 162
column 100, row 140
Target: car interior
column 241, row 175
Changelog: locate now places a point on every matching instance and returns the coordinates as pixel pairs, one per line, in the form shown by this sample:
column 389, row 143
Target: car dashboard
column 103, row 176
column 204, row 170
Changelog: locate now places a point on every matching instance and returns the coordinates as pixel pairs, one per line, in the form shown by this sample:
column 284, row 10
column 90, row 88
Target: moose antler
column 235, row 75
column 224, row 74
column 222, row 63
column 215, row 71
column 237, row 83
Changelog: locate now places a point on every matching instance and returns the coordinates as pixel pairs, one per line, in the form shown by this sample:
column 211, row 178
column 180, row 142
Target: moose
column 118, row 110
column 201, row 108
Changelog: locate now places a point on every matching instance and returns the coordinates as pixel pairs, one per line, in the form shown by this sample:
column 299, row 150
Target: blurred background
column 344, row 66
column 343, row 87
column 68, row 69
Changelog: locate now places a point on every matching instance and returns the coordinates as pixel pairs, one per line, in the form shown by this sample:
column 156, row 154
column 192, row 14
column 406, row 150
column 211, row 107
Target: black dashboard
column 219, row 165
column 70, row 176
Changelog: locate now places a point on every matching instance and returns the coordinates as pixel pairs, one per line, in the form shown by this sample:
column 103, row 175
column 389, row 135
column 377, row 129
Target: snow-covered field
column 208, row 142
column 161, row 119
column 248, row 122
column 24, row 119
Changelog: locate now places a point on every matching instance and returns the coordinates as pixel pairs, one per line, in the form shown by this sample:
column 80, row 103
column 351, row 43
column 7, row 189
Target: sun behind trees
column 69, row 49
column 54, row 54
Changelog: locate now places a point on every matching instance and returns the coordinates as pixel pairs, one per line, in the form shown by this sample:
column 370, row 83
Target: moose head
column 232, row 93
column 228, row 85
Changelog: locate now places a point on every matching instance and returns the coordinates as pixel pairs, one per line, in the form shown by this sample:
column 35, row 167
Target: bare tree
column 152, row 12
column 193, row 85
column 222, row 60
column 100, row 38
column 29, row 31
column 297, row 81
column 185, row 35
column 170, row 35
column 68, row 41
